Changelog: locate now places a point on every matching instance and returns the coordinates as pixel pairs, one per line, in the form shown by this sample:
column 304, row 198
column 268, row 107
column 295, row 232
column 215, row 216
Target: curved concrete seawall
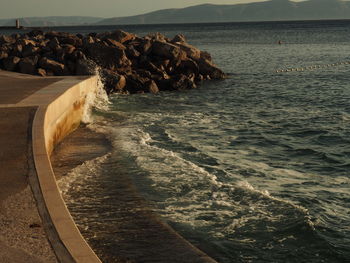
column 52, row 122
column 59, row 106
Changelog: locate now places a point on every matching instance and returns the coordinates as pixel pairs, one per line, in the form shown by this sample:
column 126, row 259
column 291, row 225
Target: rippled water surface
column 254, row 168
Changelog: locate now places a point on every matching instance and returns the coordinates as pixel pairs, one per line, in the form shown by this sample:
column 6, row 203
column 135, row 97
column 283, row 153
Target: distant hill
column 273, row 10
column 51, row 21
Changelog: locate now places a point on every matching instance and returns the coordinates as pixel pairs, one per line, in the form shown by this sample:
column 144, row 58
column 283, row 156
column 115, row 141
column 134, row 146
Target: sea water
column 254, row 168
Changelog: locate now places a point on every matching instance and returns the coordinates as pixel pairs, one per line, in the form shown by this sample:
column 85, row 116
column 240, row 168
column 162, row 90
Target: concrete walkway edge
column 60, row 111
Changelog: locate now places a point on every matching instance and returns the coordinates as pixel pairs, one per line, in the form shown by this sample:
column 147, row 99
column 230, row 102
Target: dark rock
column 26, row 42
column 166, row 50
column 179, row 82
column 121, row 36
column 144, row 46
column 187, row 67
column 113, row 82
column 178, row 38
column 205, row 55
column 51, row 65
column 136, row 84
column 29, row 50
column 17, row 51
column 108, row 57
column 35, row 33
column 3, row 55
column 54, row 44
column 76, row 55
column 153, row 69
column 41, row 72
column 208, row 68
column 68, row 49
column 7, row 39
column 10, row 63
column 131, row 52
column 68, row 41
column 112, row 42
column 191, row 51
column 85, row 67
column 88, row 40
column 151, row 86
column 28, row 65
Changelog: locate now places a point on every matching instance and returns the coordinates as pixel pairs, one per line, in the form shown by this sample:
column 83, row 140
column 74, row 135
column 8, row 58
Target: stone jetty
column 126, row 62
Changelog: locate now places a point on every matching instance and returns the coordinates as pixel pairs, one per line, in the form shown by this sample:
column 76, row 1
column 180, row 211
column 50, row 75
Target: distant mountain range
column 273, row 10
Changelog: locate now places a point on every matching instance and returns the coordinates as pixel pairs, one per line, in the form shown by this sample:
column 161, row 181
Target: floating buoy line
column 313, row 67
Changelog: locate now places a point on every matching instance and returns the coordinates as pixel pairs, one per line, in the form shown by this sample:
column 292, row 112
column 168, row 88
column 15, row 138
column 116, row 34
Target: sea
column 253, row 168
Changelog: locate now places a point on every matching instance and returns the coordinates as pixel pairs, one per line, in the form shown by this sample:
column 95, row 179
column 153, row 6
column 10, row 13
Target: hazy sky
column 99, row 8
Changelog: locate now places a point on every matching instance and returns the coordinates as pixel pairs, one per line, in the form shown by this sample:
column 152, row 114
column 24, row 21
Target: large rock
column 85, row 67
column 115, row 43
column 120, row 36
column 107, row 57
column 166, row 50
column 207, row 68
column 113, row 82
column 28, row 65
column 191, row 51
column 178, row 82
column 187, row 67
column 29, row 50
column 51, row 65
column 11, row 63
column 3, row 55
column 178, row 38
column 6, row 39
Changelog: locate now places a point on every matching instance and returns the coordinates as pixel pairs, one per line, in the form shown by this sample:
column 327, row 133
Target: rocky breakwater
column 126, row 62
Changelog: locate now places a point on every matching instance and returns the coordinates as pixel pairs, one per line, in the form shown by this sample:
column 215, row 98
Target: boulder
column 41, row 72
column 131, row 52
column 166, row 50
column 178, row 39
column 68, row 49
column 26, row 42
column 29, row 50
column 107, row 57
column 35, row 33
column 6, row 39
column 206, row 55
column 178, row 82
column 17, row 50
column 69, row 40
column 28, row 65
column 136, row 83
column 113, row 82
column 3, row 55
column 151, row 86
column 206, row 67
column 88, row 40
column 10, row 63
column 121, row 36
column 54, row 44
column 191, row 51
column 112, row 42
column 187, row 67
column 85, row 67
column 51, row 65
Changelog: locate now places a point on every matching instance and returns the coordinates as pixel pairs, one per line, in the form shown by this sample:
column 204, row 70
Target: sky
column 98, row 8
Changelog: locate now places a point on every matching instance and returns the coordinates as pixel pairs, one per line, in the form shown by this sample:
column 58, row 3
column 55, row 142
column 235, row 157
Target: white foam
column 97, row 99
